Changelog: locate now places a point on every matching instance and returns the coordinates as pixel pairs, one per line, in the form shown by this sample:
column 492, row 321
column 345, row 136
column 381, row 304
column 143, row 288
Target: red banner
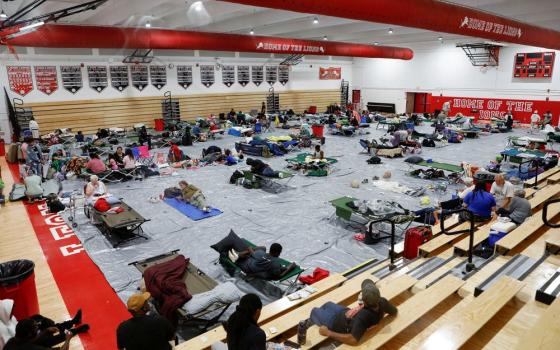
column 488, row 108
column 331, row 73
column 46, row 79
column 20, row 79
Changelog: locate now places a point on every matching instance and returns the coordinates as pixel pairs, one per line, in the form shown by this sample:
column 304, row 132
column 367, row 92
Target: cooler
column 318, row 130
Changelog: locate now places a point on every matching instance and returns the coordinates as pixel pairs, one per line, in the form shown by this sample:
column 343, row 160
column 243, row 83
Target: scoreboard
column 534, row 65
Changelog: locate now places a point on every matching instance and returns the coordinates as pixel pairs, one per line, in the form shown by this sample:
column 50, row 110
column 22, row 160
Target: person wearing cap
column 519, row 208
column 347, row 325
column 144, row 331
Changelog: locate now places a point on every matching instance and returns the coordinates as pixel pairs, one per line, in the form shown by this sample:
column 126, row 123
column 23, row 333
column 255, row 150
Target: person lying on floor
column 261, row 168
column 258, row 263
column 212, row 154
column 519, row 208
column 347, row 325
column 188, row 193
column 230, row 158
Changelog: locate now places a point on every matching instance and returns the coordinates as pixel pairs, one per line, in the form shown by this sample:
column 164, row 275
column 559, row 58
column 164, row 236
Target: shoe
column 206, row 209
column 80, row 329
column 77, row 319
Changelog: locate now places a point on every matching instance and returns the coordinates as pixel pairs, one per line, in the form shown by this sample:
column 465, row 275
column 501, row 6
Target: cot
column 118, row 228
column 311, row 167
column 289, row 280
column 267, row 184
column 442, row 166
column 197, row 282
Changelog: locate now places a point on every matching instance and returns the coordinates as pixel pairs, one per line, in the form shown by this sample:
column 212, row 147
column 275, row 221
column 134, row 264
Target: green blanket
column 442, row 166
column 232, row 268
column 300, row 159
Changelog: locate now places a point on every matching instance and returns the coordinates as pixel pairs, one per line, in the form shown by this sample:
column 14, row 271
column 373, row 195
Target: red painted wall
column 487, row 108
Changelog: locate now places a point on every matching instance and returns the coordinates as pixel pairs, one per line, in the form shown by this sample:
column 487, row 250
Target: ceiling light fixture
column 376, row 43
column 197, row 6
column 325, row 38
column 390, row 30
column 315, row 20
column 3, row 15
column 252, row 31
column 31, row 26
column 148, row 24
column 440, row 38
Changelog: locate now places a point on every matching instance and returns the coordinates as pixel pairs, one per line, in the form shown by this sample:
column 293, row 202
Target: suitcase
column 413, row 238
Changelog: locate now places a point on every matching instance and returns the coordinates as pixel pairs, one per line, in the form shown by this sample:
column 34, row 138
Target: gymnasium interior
column 276, row 175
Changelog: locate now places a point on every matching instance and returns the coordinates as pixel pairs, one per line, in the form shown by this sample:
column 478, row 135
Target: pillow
column 231, row 241
column 112, row 200
column 414, row 159
column 225, row 293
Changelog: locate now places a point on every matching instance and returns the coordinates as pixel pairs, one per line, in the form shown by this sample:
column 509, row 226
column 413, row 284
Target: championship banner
column 331, row 73
column 46, row 79
column 20, row 79
column 494, row 108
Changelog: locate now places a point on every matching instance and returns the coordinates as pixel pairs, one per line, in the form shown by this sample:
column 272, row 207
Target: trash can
column 158, row 124
column 317, row 130
column 17, row 282
column 2, row 148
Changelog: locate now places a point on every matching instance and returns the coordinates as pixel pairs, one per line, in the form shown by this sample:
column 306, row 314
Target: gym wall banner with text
column 488, row 108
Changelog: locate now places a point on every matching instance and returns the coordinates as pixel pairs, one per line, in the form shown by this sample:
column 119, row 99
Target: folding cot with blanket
column 382, row 212
column 266, row 148
column 310, row 166
column 232, row 241
column 388, row 151
column 52, row 186
column 518, row 155
column 442, row 166
column 267, row 184
column 209, row 301
column 117, row 225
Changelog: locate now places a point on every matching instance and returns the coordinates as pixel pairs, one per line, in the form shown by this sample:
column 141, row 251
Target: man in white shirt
column 535, row 121
column 469, row 186
column 503, row 191
column 34, row 128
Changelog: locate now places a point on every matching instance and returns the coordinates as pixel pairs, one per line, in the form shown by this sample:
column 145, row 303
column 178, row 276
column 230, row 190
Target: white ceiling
column 218, row 16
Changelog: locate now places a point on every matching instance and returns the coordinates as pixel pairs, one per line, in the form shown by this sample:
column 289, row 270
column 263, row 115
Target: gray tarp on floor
column 301, row 219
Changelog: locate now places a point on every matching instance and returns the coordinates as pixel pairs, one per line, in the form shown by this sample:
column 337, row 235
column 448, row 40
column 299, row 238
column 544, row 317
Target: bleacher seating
column 544, row 334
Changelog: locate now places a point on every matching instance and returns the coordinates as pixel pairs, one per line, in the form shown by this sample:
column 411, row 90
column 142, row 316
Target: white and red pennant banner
column 330, row 73
column 20, row 79
column 46, row 79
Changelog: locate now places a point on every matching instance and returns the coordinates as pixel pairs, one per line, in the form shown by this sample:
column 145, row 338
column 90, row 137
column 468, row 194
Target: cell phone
column 292, row 344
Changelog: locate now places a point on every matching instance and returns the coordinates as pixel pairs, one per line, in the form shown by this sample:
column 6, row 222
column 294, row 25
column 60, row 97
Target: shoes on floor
column 77, row 319
column 80, row 329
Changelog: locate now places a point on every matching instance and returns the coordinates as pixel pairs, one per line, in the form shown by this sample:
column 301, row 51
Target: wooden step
column 466, row 320
column 544, row 335
column 410, row 311
column 542, row 196
column 439, row 242
column 389, row 289
column 554, row 178
column 542, row 177
column 524, row 231
column 552, row 244
column 268, row 312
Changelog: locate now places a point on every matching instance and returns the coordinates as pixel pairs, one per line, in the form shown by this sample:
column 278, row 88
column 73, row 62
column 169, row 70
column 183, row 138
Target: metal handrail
column 545, row 212
column 470, row 265
column 534, row 162
column 392, row 236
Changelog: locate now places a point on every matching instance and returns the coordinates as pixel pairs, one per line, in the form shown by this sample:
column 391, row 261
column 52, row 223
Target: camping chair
column 289, row 281
column 197, row 282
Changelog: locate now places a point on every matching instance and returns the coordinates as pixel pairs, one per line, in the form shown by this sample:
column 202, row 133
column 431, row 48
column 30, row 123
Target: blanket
column 394, row 186
column 225, row 293
column 165, row 283
column 190, row 210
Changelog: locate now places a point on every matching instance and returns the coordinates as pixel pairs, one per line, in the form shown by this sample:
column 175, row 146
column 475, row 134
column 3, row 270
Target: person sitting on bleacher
column 347, row 325
column 502, row 191
column 479, row 202
column 519, row 208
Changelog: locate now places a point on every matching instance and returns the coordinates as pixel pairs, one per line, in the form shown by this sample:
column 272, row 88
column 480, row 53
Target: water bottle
column 302, row 332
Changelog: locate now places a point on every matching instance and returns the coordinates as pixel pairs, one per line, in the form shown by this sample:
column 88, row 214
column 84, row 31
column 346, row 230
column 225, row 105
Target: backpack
column 236, row 175
column 374, row 160
column 172, row 192
column 54, row 204
column 428, row 143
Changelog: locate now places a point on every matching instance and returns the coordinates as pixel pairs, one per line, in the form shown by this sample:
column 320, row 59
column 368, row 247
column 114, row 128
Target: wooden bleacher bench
column 464, row 321
column 409, row 312
column 542, row 177
column 554, row 178
column 436, row 243
column 521, row 233
column 462, row 247
column 544, row 334
column 389, row 289
column 268, row 312
column 552, row 244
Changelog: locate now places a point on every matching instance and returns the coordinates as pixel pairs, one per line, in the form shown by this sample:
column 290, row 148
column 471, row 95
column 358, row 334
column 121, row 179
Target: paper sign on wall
column 330, row 73
column 20, row 79
column 46, row 79
column 71, row 78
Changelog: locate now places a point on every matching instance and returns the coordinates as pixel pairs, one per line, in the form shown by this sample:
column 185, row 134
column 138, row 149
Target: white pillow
column 225, row 293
